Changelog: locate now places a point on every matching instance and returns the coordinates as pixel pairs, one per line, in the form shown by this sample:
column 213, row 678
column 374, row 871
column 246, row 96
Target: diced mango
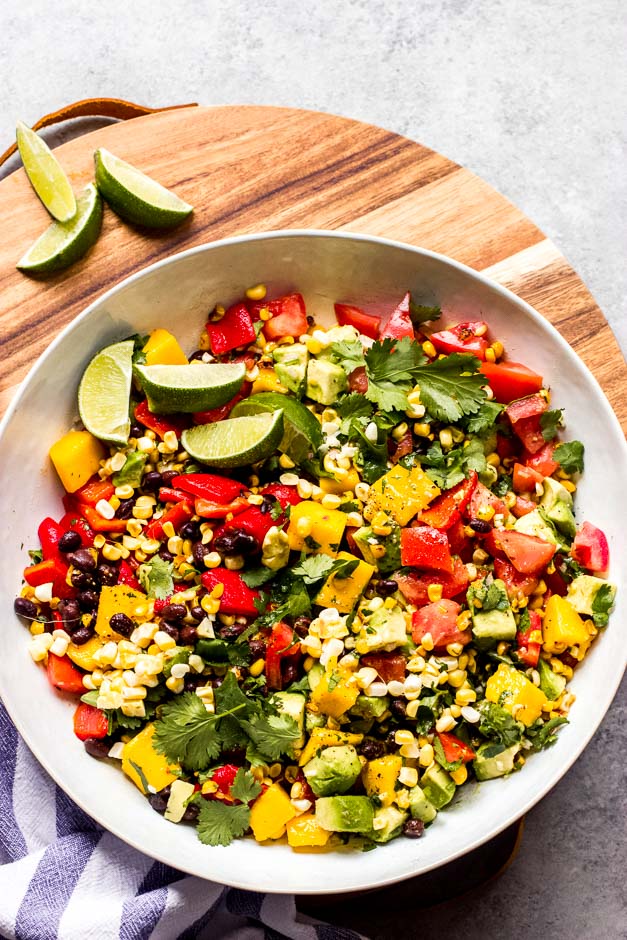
column 380, row 776
column 334, row 701
column 119, row 599
column 510, row 688
column 349, row 482
column 327, row 737
column 326, row 528
column 267, row 381
column 562, row 626
column 83, row 656
column 270, row 813
column 162, row 349
column 145, row 766
column 343, row 593
column 76, row 457
column 304, row 832
column 401, row 493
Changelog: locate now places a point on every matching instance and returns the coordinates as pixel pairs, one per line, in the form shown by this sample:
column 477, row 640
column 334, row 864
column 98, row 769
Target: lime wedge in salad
column 235, row 442
column 45, row 174
column 302, row 434
column 104, row 393
column 192, row 387
column 135, row 196
column 63, row 243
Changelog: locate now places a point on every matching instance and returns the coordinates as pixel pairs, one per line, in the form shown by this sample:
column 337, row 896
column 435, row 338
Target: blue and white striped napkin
column 63, row 876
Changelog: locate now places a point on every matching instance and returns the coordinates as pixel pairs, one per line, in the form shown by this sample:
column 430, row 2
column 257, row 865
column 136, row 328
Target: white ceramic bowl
column 177, row 293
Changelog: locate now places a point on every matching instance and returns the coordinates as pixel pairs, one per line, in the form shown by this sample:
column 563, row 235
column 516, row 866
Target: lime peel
column 136, row 197
column 104, row 393
column 235, row 442
column 189, row 388
column 63, row 243
column 45, row 174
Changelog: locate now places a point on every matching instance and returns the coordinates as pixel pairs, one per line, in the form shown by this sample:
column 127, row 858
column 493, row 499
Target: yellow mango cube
column 162, row 349
column 327, row 737
column 267, row 381
column 337, row 487
column 562, row 626
column 334, row 701
column 270, row 813
column 145, row 766
column 510, row 688
column 343, row 593
column 119, row 599
column 380, row 775
column 76, row 457
column 401, row 493
column 304, row 832
column 326, row 528
column 83, row 656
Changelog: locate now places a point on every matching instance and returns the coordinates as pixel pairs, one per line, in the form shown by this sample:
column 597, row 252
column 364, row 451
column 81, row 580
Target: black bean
column 386, row 587
column 188, row 635
column 236, row 542
column 165, row 554
column 398, row 707
column 83, row 560
column 198, row 354
column 88, row 600
column 191, row 813
column 107, row 574
column 122, row 624
column 159, row 802
column 480, row 525
column 301, row 626
column 289, row 672
column 82, row 580
column 69, row 542
column 25, row 608
column 82, row 635
column 199, row 551
column 97, row 748
column 197, row 612
column 151, row 481
column 190, row 530
column 125, row 509
column 173, row 611
column 167, row 476
column 390, row 742
column 232, row 631
column 70, row 611
column 257, row 648
column 136, row 431
column 370, row 748
column 171, row 629
column 413, row 828
column 192, row 681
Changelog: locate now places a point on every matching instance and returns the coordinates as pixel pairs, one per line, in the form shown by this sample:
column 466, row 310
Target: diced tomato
column 517, row 585
column 283, row 644
column 391, row 667
column 126, row 576
column 542, row 461
column 50, row 570
column 289, row 316
column 99, row 524
column 510, row 380
column 50, row 534
column 554, row 581
column 459, row 542
column 208, row 510
column 448, row 507
column 483, row 497
column 209, row 486
column 507, row 446
column 358, row 381
column 463, row 338
column 64, row 675
column 365, row 323
column 524, row 479
column 93, row 491
column 90, row 722
column 178, row 515
column 237, row 597
column 522, row 507
column 286, row 495
column 414, row 586
column 590, row 548
column 528, row 554
column 530, row 641
column 524, row 416
column 426, row 547
column 234, row 329
column 161, row 424
column 454, row 748
column 440, row 620
column 399, row 325
column 73, row 522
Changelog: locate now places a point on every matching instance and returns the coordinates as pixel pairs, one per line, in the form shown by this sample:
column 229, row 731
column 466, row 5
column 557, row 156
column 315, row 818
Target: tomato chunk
column 528, row 554
column 222, row 411
column 399, row 325
column 542, row 461
column 289, row 316
column 390, row 666
column 590, row 548
column 510, row 380
column 463, row 338
column 365, row 323
column 426, row 547
column 447, row 509
column 64, row 675
column 530, row 641
column 524, row 479
column 414, row 586
column 481, row 498
column 524, row 416
column 282, row 645
column 439, row 620
column 454, row 748
column 517, row 585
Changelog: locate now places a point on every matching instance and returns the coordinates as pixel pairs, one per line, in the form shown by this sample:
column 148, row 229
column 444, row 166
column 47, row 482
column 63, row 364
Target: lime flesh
column 192, row 387
column 136, row 197
column 45, row 174
column 63, row 243
column 104, row 392
column 235, row 442
column 302, row 434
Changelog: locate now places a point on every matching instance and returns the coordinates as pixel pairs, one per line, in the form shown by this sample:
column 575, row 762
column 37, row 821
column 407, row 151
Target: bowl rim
column 609, row 689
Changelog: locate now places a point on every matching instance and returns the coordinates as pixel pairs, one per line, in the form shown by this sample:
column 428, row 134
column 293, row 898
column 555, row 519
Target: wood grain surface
column 249, row 169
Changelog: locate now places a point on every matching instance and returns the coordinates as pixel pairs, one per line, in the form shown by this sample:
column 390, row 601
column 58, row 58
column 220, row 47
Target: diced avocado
column 131, row 472
column 314, row 675
column 384, row 629
column 562, row 518
column 387, row 823
column 181, row 656
column 333, row 771
column 292, row 704
column 420, row 807
column 290, row 365
column 494, row 760
column 314, row 720
column 583, row 590
column 551, row 684
column 438, row 786
column 553, row 493
column 325, row 381
column 492, row 622
column 361, row 536
column 344, row 813
column 536, row 523
column 339, row 334
column 367, row 706
column 180, row 792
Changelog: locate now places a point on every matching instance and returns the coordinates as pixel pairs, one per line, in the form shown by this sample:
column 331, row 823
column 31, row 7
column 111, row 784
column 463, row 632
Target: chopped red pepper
column 252, row 520
column 283, row 644
column 510, row 380
column 391, row 667
column 178, row 515
column 51, row 570
column 209, row 510
column 72, row 522
column 447, row 508
column 348, row 315
column 50, row 533
column 289, row 316
column 160, row 424
column 223, row 411
column 468, row 337
column 286, row 495
column 126, row 576
column 234, row 329
column 93, row 491
column 209, row 486
column 99, row 524
column 426, row 547
column 90, row 722
column 454, row 749
column 64, row 675
column 225, row 777
column 530, row 640
column 237, row 597
column 169, row 495
column 399, row 325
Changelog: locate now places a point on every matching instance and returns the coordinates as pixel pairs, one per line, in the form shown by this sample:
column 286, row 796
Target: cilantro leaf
column 550, row 421
column 255, row 577
column 139, row 341
column 451, row 387
column 156, row 577
column 498, row 723
column 349, row 354
column 421, row 313
column 485, row 419
column 390, row 366
column 230, row 698
column 602, row 604
column 36, row 555
column 542, row 733
column 244, row 787
column 272, row 735
column 316, row 567
column 219, row 823
column 350, row 407
column 448, row 469
column 570, row 456
column 186, row 732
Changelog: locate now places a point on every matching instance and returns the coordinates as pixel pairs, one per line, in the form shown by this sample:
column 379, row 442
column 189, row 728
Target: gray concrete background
column 529, row 94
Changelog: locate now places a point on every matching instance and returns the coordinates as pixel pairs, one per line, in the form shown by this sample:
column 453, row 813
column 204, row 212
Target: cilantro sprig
column 156, row 578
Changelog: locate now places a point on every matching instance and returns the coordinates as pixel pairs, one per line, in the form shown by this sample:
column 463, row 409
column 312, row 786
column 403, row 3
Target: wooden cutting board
column 249, row 169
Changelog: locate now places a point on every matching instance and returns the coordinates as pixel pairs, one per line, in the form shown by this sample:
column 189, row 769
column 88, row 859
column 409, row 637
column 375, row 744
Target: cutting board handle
column 95, row 107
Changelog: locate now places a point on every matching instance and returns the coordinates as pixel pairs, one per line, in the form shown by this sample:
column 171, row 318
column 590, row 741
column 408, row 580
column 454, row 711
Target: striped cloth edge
column 63, row 877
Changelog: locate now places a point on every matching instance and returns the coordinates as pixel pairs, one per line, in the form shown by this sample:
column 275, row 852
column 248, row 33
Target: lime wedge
column 63, row 243
column 235, row 442
column 192, row 387
column 104, row 393
column 302, row 434
column 45, row 174
column 135, row 196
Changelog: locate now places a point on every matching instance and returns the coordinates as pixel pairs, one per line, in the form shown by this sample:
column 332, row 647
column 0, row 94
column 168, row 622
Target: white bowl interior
column 177, row 294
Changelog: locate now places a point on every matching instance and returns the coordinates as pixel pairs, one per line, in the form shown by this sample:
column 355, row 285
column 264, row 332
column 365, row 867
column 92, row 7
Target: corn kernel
column 460, row 775
column 485, row 513
column 426, row 756
column 212, row 560
column 429, row 349
column 408, row 776
column 286, row 462
column 403, row 736
column 434, row 593
column 331, row 501
column 257, row 667
column 422, row 429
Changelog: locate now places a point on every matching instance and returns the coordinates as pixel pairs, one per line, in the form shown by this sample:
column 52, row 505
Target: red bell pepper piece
column 391, row 667
column 454, row 749
column 234, row 329
column 439, row 620
column 169, row 495
column 447, row 509
column 426, row 547
column 528, row 554
column 178, row 515
column 414, row 586
column 283, row 644
column 160, row 603
column 90, row 722
column 289, row 316
column 590, row 549
column 530, row 640
column 252, row 520
column 463, row 338
column 542, row 461
column 286, row 495
column 64, row 675
column 510, row 380
column 524, row 416
column 399, row 325
column 209, row 510
column 72, row 522
column 348, row 315
column 209, row 486
column 159, row 423
column 524, row 479
column 50, row 533
column 93, row 491
column 126, row 576
column 237, row 597
column 507, row 446
column 99, row 524
column 460, row 544
column 225, row 777
column 223, row 411
column 51, row 569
